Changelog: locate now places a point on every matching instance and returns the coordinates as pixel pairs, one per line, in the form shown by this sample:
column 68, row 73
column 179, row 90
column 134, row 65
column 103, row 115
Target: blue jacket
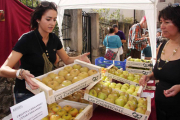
column 113, row 42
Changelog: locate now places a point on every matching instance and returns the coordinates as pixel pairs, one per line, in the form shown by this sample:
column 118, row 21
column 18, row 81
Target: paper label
column 34, row 108
column 147, row 94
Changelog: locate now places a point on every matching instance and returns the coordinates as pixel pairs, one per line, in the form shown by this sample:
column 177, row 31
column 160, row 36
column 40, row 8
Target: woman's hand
column 144, row 79
column 84, row 57
column 172, row 91
column 27, row 76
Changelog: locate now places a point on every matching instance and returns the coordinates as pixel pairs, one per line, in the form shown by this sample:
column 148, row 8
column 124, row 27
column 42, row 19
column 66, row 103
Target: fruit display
column 77, row 97
column 139, row 63
column 66, row 112
column 124, row 76
column 66, row 80
column 121, row 102
column 67, row 76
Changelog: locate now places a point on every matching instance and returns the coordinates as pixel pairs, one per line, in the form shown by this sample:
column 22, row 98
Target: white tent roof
column 148, row 5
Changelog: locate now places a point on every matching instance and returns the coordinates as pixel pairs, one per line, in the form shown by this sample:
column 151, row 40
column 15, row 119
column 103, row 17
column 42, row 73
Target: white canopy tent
column 149, row 6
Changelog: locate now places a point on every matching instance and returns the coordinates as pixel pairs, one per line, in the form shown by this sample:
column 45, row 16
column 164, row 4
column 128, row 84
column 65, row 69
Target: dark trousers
column 135, row 54
column 22, row 96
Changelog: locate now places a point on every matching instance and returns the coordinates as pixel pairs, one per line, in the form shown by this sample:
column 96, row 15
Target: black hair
column 171, row 12
column 114, row 26
column 111, row 30
column 39, row 11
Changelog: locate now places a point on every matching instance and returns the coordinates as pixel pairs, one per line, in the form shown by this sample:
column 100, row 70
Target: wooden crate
column 145, row 72
column 53, row 96
column 138, row 64
column 86, row 114
column 123, row 80
column 117, row 108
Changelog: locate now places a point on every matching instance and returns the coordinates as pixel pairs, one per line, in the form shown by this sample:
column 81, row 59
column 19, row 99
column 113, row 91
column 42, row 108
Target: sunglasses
column 175, row 5
column 47, row 4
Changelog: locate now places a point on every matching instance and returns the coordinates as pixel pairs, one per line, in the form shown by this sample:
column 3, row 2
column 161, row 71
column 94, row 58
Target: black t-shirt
column 32, row 59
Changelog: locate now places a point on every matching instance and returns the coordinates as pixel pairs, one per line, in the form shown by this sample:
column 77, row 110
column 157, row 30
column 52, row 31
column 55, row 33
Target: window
column 162, row 0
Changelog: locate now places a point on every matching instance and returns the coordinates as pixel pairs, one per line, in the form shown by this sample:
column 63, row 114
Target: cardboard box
column 53, row 96
column 138, row 64
column 86, row 114
column 117, row 108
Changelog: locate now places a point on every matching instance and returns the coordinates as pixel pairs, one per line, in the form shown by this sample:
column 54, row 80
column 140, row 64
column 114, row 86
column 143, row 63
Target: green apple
column 140, row 110
column 67, row 116
column 112, row 85
column 120, row 102
column 113, row 96
column 93, row 92
column 84, row 69
column 125, row 98
column 98, row 85
column 69, row 77
column 111, row 100
column 106, row 91
column 132, row 103
column 83, row 74
column 129, row 91
column 59, row 79
column 131, row 74
column 125, row 73
column 137, row 60
column 130, row 78
column 142, row 100
column 103, row 78
column 52, row 75
column 76, row 79
column 76, row 66
column 137, row 77
column 63, row 73
column 123, row 90
column 66, row 82
column 45, row 80
column 122, row 76
column 107, row 83
column 115, row 92
column 118, row 85
column 131, row 59
column 126, row 85
column 97, row 89
column 134, row 93
column 120, row 71
column 59, row 87
column 132, row 98
column 142, row 105
column 132, row 86
column 124, row 94
column 92, row 72
column 56, row 108
column 117, row 73
column 73, row 112
column 116, row 88
column 68, row 68
column 102, row 95
column 54, row 117
column 61, row 112
column 53, row 84
column 67, row 108
column 74, row 72
column 81, row 109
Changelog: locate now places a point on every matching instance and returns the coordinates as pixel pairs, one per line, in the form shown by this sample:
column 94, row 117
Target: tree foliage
column 30, row 3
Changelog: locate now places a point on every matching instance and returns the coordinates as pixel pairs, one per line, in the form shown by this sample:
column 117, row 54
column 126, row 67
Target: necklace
column 167, row 60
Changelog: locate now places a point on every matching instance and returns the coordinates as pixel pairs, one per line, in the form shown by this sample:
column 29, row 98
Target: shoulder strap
column 160, row 49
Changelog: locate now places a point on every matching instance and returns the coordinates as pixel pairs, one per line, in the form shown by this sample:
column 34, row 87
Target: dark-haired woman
column 113, row 42
column 167, row 67
column 37, row 51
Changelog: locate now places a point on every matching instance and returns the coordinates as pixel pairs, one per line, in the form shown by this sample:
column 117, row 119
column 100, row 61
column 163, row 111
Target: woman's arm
column 68, row 60
column 6, row 69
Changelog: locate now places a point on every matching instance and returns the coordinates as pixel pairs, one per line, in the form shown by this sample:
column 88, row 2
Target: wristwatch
column 19, row 74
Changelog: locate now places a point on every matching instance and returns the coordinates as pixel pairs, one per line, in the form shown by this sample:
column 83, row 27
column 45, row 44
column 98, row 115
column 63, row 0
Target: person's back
column 113, row 41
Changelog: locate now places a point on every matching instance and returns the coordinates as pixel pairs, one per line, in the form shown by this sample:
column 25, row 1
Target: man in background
column 136, row 42
column 121, row 35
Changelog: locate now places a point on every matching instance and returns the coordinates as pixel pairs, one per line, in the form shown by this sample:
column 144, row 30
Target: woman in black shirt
column 167, row 68
column 31, row 46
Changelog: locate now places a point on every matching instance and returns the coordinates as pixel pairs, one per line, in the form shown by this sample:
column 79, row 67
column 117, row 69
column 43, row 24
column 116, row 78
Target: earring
column 38, row 22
